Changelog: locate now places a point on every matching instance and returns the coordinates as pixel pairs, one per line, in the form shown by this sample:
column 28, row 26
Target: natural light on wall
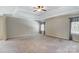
column 75, row 27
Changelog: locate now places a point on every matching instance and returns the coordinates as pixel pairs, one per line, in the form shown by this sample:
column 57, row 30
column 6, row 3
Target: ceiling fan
column 39, row 8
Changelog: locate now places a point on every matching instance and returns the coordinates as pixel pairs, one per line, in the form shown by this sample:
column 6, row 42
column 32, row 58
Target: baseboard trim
column 16, row 36
column 56, row 37
column 26, row 35
column 20, row 36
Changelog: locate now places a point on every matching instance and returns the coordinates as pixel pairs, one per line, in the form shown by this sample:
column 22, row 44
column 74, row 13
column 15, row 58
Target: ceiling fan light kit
column 39, row 8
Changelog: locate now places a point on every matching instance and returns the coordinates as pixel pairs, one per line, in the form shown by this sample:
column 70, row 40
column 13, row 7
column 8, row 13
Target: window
column 75, row 27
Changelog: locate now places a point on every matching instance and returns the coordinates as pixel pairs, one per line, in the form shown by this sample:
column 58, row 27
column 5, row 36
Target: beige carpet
column 38, row 44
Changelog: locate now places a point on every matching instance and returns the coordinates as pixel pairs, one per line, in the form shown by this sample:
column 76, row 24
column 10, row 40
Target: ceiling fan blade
column 38, row 6
column 34, row 10
column 42, row 6
column 44, row 10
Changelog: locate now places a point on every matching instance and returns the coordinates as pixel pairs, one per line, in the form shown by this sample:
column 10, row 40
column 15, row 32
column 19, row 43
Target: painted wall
column 3, row 32
column 58, row 27
column 20, row 27
column 75, row 37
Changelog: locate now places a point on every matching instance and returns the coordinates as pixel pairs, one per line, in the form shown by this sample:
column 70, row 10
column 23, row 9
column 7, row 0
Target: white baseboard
column 57, row 37
column 22, row 35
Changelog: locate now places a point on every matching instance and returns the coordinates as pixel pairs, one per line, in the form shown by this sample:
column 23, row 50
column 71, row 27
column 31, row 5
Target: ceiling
column 23, row 9
column 26, row 12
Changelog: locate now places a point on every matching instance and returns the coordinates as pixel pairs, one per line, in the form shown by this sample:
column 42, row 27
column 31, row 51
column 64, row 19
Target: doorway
column 42, row 28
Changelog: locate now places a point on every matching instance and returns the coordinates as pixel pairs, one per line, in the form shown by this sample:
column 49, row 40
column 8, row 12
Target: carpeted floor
column 38, row 44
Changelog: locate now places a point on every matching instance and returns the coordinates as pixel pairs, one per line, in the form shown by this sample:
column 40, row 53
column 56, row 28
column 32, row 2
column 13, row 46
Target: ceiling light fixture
column 39, row 8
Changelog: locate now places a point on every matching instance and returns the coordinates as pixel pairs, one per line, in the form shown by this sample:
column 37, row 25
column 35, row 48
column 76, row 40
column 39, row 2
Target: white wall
column 19, row 27
column 3, row 32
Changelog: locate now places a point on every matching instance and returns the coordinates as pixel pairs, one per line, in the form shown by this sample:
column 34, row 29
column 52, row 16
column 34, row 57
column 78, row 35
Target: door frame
column 70, row 35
